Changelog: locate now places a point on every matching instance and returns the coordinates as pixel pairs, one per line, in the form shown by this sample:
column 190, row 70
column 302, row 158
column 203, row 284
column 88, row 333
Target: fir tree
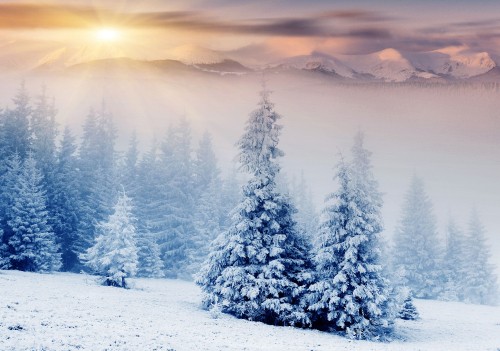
column 408, row 310
column 15, row 139
column 454, row 264
column 306, row 217
column 114, row 254
column 129, row 173
column 207, row 217
column 44, row 133
column 179, row 195
column 9, row 179
column 33, row 245
column 16, row 126
column 98, row 180
column 481, row 282
column 66, row 201
column 416, row 251
column 138, row 178
column 150, row 264
column 150, row 205
column 206, row 224
column 351, row 294
column 260, row 267
column 205, row 165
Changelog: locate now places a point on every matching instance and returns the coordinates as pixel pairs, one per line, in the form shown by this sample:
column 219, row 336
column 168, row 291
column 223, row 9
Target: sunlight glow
column 108, row 34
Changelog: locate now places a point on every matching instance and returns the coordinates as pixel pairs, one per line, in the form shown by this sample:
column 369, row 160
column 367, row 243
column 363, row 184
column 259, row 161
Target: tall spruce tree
column 207, row 217
column 129, row 167
column 98, row 179
column 16, row 125
column 260, row 267
column 307, row 216
column 481, row 281
column 454, row 264
column 32, row 244
column 351, row 295
column 66, row 201
column 207, row 225
column 114, row 254
column 9, row 179
column 416, row 252
column 15, row 139
column 179, row 194
column 150, row 205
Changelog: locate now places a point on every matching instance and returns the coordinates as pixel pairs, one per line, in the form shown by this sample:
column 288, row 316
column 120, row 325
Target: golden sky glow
column 108, row 34
column 153, row 28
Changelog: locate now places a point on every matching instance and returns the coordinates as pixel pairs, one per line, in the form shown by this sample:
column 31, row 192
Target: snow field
column 66, row 312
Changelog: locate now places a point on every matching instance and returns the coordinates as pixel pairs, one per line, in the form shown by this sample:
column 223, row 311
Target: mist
column 448, row 135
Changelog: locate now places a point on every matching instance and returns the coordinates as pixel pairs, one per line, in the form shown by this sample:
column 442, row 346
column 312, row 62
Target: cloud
column 47, row 16
column 324, row 24
column 359, row 31
column 481, row 23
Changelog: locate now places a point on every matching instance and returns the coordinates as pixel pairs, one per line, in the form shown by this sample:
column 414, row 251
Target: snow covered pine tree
column 351, row 295
column 408, row 310
column 114, row 254
column 260, row 267
column 417, row 250
column 32, row 245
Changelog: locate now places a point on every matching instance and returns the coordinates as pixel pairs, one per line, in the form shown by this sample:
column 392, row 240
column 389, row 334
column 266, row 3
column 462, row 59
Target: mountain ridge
column 449, row 64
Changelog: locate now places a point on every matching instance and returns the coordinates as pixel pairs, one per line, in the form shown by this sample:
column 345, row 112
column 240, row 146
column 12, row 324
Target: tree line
column 57, row 195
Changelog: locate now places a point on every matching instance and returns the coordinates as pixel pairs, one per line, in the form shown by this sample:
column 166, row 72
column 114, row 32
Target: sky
column 450, row 138
column 153, row 28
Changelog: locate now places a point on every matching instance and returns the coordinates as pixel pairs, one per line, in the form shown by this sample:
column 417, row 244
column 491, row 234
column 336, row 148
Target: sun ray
column 108, row 34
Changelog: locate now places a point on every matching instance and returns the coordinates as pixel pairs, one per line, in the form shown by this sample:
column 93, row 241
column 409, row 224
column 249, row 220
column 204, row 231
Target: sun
column 107, row 34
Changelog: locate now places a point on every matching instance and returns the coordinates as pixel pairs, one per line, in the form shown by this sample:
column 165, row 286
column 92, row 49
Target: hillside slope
column 71, row 312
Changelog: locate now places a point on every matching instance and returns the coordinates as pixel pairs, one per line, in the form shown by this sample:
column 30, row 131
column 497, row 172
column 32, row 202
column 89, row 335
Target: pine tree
column 137, row 177
column 206, row 224
column 114, row 254
column 207, row 217
column 9, row 179
column 306, row 217
column 416, row 249
column 15, row 139
column 260, row 267
column 408, row 311
column 454, row 264
column 179, row 195
column 481, row 282
column 351, row 295
column 33, row 245
column 129, row 173
column 150, row 264
column 66, row 201
column 205, row 165
column 44, row 133
column 150, row 205
column 98, row 180
column 16, row 126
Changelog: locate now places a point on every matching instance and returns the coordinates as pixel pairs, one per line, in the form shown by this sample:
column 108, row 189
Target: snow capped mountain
column 316, row 62
column 455, row 61
column 391, row 65
column 388, row 65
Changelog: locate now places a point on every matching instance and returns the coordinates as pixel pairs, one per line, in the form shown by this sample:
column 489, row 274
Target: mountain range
column 389, row 65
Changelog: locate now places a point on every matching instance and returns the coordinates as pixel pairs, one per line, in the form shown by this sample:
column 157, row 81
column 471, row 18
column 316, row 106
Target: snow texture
column 68, row 312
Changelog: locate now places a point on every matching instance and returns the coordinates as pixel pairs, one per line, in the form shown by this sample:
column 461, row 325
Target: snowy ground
column 71, row 312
